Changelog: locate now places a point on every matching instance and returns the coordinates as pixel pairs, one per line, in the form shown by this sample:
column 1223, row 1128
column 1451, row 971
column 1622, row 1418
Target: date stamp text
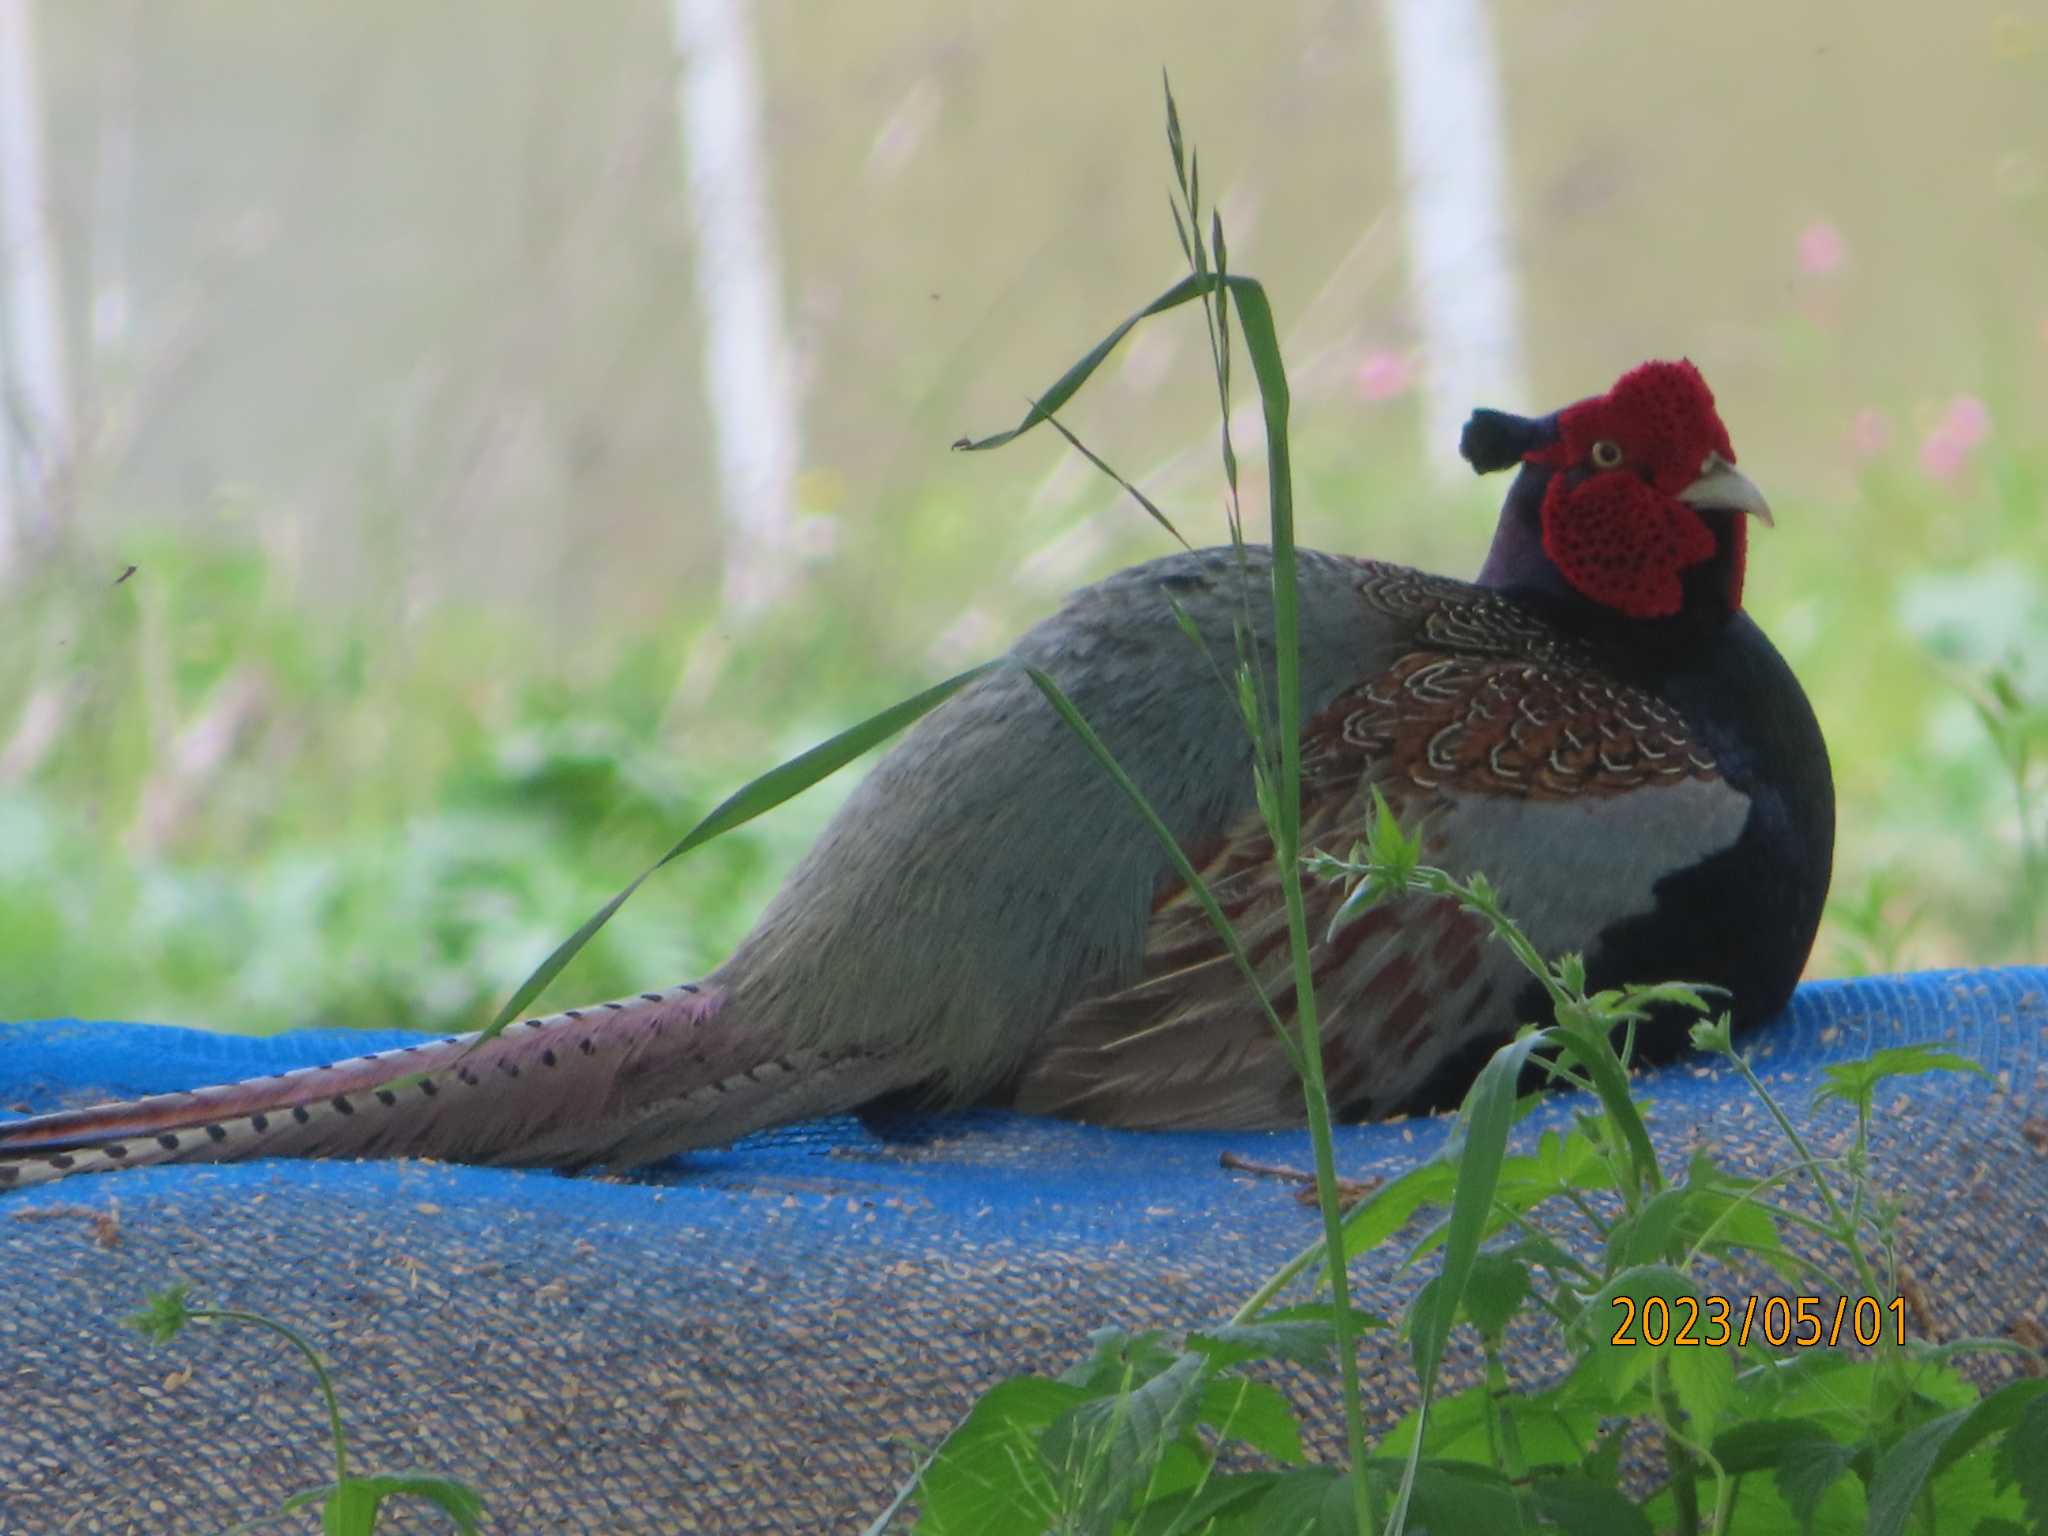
column 1799, row 1321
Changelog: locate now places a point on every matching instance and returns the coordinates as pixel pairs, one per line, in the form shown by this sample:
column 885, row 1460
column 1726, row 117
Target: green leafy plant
column 1624, row 1261
column 348, row 1505
column 1874, row 923
column 2018, row 728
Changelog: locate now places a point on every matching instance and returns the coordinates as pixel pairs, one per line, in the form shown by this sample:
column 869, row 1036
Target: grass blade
column 1489, row 1113
column 1069, row 383
column 783, row 782
column 1136, row 495
column 1079, row 725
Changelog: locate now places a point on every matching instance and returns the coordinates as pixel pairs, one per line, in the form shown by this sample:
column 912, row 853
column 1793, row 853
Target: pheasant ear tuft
column 1499, row 440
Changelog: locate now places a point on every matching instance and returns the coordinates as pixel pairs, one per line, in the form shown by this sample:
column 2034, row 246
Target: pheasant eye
column 1606, row 454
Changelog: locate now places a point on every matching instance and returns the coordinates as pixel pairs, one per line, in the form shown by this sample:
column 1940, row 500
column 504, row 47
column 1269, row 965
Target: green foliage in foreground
column 348, row 1506
column 1591, row 1237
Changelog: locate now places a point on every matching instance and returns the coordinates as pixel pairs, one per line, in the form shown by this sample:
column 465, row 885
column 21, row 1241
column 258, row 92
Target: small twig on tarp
column 1349, row 1191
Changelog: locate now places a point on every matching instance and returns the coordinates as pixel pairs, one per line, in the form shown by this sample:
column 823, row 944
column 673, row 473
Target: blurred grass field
column 395, row 407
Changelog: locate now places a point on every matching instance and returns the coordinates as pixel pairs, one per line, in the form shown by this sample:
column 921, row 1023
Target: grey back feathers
column 987, row 872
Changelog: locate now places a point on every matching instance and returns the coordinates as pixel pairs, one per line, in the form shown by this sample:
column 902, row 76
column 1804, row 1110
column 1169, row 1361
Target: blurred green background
column 385, row 365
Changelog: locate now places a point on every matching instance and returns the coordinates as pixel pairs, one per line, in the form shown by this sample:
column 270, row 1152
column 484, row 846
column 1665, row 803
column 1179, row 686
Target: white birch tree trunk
column 35, row 426
column 749, row 382
column 1461, row 256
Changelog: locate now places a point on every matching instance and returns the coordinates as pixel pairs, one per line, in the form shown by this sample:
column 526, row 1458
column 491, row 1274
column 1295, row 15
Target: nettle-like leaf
column 1834, row 1390
column 1394, row 1204
column 1394, row 855
column 987, row 1478
column 1766, row 1504
column 1570, row 971
column 1543, row 1252
column 1855, row 1082
column 1924, row 1452
column 1807, row 1467
column 1495, row 1292
column 1634, row 1001
column 1389, row 844
column 1466, row 1496
column 1562, row 1162
column 2023, row 1459
column 1105, row 1450
column 1704, row 1379
column 1728, row 1205
column 1214, row 1508
column 1310, row 1501
column 1306, row 1335
column 1613, row 1324
column 164, row 1315
column 1579, row 1505
column 1961, row 1497
column 1254, row 1412
column 1553, row 1426
column 1118, row 1358
column 1714, row 1037
column 1758, row 1444
column 1602, row 1462
column 1651, row 1234
column 2018, row 1410
column 1709, row 1206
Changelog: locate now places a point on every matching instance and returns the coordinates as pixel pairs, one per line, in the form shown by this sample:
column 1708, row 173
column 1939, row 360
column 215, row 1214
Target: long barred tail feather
column 619, row 1083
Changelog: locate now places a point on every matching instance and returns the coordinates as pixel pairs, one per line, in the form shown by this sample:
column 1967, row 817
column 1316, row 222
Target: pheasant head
column 1628, row 499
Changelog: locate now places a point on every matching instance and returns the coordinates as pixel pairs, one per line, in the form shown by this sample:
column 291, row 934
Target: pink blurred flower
column 1870, row 433
column 1941, row 456
column 1821, row 247
column 1945, row 452
column 1382, row 375
column 1968, row 420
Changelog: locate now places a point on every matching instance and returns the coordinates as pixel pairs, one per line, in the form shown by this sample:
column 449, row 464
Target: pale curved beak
column 1722, row 485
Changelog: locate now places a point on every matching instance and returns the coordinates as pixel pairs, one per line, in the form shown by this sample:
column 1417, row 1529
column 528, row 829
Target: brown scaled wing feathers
column 1491, row 701
column 1498, row 726
column 1489, row 704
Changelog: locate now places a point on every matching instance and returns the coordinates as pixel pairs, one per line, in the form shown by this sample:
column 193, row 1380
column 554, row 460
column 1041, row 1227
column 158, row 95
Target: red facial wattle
column 1623, row 544
column 1613, row 520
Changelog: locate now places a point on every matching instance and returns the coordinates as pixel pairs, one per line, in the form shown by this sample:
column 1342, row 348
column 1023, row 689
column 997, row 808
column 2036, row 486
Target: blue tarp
column 766, row 1338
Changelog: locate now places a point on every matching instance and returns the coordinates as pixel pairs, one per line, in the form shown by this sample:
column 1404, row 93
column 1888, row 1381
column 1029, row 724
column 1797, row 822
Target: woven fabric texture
column 766, row 1339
